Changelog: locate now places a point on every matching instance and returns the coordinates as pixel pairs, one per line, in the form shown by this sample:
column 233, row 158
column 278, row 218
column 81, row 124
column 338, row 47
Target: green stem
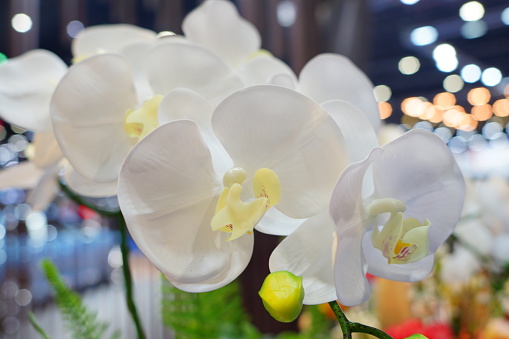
column 124, row 248
column 348, row 327
column 80, row 201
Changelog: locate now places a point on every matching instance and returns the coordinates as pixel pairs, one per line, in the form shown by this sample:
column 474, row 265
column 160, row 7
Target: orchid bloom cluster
column 205, row 137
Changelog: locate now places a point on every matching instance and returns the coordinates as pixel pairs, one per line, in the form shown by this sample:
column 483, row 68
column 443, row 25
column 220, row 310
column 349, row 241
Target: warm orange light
column 429, row 112
column 468, row 123
column 385, row 109
column 482, row 112
column 501, row 107
column 438, row 115
column 506, row 91
column 453, row 118
column 444, row 100
column 479, row 96
column 413, row 106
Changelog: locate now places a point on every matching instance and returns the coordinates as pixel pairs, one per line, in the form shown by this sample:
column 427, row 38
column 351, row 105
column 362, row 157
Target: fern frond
column 215, row 314
column 79, row 320
column 37, row 326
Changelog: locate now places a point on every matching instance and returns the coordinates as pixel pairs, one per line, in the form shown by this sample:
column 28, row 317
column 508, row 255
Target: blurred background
column 440, row 65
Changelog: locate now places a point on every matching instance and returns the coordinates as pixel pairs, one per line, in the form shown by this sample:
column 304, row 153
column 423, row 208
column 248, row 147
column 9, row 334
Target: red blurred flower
column 413, row 326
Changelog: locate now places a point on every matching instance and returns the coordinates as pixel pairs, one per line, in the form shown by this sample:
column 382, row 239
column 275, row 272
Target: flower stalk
column 348, row 327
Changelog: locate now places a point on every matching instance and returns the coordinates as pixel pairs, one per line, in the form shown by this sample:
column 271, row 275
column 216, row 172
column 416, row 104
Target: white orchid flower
column 416, row 181
column 217, row 26
column 193, row 216
column 96, row 111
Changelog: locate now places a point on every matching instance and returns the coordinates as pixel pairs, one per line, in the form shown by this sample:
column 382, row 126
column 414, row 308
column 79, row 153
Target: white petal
column 186, row 104
column 88, row 111
column 24, row 175
column 360, row 137
column 352, row 287
column 277, row 128
column 173, row 65
column 168, row 192
column 307, row 253
column 419, row 170
column 27, row 83
column 108, row 38
column 333, row 76
column 46, row 149
column 378, row 265
column 46, row 189
column 89, row 188
column 347, row 206
column 217, row 25
column 136, row 54
column 261, row 70
column 276, row 223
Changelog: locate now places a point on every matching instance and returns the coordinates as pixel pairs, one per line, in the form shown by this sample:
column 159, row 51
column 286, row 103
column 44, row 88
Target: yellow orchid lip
column 140, row 122
column 237, row 217
column 400, row 240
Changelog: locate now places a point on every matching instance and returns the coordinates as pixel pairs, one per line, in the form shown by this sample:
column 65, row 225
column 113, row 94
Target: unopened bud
column 282, row 295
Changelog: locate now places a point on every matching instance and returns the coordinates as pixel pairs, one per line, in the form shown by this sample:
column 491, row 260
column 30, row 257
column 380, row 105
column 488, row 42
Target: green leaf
column 37, row 326
column 78, row 319
column 206, row 315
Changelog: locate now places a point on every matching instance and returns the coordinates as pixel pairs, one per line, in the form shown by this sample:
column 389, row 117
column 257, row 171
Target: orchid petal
column 277, row 128
column 276, row 223
column 261, row 70
column 136, row 53
column 352, row 286
column 26, row 86
column 217, row 26
column 46, row 189
column 173, row 65
column 314, row 264
column 46, row 149
column 186, row 104
column 419, row 170
column 378, row 265
column 87, row 187
column 24, row 175
column 108, row 38
column 352, row 124
column 333, row 76
column 168, row 211
column 88, row 111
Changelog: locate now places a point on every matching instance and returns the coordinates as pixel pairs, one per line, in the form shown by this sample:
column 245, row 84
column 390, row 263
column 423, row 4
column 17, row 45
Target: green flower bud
column 282, row 295
column 417, row 336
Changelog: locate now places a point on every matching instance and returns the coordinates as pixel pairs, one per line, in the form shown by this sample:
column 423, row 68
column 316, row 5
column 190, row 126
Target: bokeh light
column 74, row 27
column 504, row 16
column 385, row 110
column 474, row 29
column 409, row 2
column 382, row 93
column 501, row 107
column 471, row 73
column 286, row 13
column 444, row 100
column 491, row 76
column 21, row 23
column 3, row 58
column 453, row 83
column 482, row 112
column 479, row 96
column 409, row 65
column 445, row 58
column 424, row 35
column 471, row 11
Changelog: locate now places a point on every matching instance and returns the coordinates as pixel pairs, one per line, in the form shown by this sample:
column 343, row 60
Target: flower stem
column 348, row 327
column 124, row 248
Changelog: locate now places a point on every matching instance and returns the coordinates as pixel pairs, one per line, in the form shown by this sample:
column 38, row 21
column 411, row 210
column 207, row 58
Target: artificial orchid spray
column 205, row 138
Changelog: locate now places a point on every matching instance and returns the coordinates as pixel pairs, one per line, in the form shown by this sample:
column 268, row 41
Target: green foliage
column 79, row 320
column 37, row 326
column 215, row 314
